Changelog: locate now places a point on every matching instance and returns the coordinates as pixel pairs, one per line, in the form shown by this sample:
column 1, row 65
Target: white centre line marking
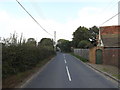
column 65, row 60
column 64, row 55
column 68, row 73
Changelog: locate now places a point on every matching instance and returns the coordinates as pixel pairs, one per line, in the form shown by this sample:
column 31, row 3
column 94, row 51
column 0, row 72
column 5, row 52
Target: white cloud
column 87, row 17
column 90, row 16
column 3, row 16
column 4, row 23
column 65, row 0
column 57, row 0
column 9, row 24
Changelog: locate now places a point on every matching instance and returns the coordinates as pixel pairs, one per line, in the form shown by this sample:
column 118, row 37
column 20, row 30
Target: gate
column 99, row 56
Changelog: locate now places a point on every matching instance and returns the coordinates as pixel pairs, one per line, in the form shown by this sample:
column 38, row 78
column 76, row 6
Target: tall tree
column 46, row 43
column 64, row 45
column 31, row 42
column 84, row 44
column 94, row 31
column 82, row 33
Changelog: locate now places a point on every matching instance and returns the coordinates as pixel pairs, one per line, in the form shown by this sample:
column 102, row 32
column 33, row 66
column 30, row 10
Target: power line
column 32, row 17
column 109, row 6
column 111, row 18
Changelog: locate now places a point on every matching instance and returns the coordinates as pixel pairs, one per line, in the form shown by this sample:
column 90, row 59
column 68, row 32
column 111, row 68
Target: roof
column 110, row 40
column 110, row 36
column 110, row 30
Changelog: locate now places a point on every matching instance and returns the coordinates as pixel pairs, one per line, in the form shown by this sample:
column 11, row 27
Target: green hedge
column 20, row 58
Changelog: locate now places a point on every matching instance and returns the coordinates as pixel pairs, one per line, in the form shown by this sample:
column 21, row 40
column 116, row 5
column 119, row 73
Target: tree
column 94, row 31
column 84, row 44
column 82, row 33
column 64, row 45
column 46, row 43
column 12, row 40
column 20, row 56
column 31, row 42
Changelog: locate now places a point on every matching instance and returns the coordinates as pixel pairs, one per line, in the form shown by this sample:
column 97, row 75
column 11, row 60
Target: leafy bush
column 20, row 57
column 84, row 44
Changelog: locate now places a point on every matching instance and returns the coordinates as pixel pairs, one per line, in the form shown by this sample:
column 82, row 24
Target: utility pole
column 118, row 12
column 55, row 40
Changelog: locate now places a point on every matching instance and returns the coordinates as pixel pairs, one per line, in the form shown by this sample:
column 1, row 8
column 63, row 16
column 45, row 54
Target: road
column 65, row 71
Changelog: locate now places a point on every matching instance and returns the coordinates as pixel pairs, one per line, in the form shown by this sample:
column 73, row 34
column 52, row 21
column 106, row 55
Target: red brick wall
column 110, row 56
column 92, row 55
column 110, row 30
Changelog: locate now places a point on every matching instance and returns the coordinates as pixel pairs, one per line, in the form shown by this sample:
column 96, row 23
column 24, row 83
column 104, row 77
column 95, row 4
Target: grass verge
column 105, row 70
column 16, row 80
column 79, row 57
column 116, row 76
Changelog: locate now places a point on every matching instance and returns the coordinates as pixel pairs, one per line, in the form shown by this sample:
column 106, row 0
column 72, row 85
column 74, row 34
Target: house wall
column 92, row 54
column 110, row 56
column 82, row 52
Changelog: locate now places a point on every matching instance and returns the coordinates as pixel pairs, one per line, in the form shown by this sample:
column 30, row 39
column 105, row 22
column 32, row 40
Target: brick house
column 107, row 50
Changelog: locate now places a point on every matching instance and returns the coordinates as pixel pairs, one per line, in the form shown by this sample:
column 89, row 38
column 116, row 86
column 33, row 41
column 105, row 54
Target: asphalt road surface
column 65, row 71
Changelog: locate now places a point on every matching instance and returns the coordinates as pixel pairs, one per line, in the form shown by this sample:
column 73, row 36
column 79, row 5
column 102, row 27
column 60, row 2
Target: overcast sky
column 62, row 16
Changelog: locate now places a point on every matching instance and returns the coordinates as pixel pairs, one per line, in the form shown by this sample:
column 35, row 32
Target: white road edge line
column 68, row 73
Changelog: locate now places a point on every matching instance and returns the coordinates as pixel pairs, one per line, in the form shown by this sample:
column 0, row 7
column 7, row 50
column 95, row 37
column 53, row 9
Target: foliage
column 82, row 35
column 46, row 43
column 84, row 44
column 94, row 31
column 64, row 45
column 31, row 42
column 22, row 56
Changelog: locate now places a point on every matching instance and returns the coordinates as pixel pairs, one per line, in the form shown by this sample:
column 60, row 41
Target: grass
column 16, row 80
column 117, row 76
column 79, row 57
column 105, row 70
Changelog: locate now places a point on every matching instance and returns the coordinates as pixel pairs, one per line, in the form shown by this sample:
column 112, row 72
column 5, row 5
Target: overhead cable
column 33, row 17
